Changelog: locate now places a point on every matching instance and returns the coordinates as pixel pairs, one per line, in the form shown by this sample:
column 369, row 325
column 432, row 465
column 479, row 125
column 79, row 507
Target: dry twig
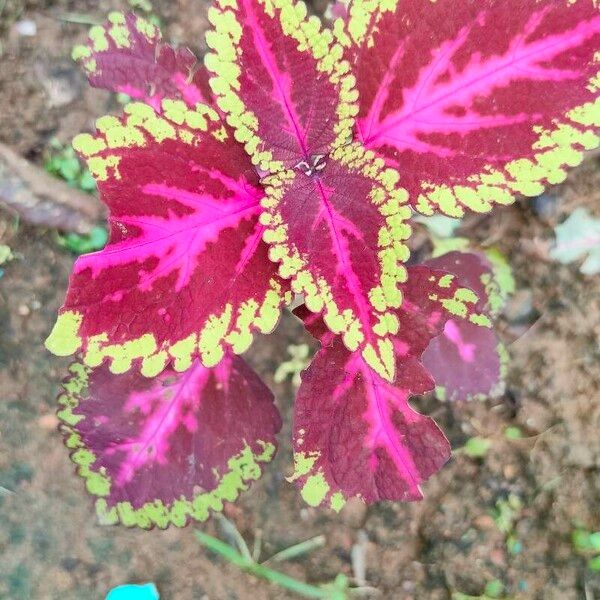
column 43, row 200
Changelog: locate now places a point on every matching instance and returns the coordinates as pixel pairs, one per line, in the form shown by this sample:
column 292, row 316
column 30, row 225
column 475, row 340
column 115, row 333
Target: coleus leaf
column 355, row 433
column 333, row 217
column 281, row 81
column 499, row 282
column 474, row 102
column 162, row 451
column 468, row 361
column 475, row 271
column 185, row 273
column 127, row 55
column 340, row 237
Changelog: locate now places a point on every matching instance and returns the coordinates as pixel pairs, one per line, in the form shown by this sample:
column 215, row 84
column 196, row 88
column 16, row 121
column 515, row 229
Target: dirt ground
column 51, row 546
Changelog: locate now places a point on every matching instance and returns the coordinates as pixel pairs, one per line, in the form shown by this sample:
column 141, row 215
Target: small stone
column 358, row 555
column 519, row 308
column 61, row 82
column 484, row 522
column 26, row 28
column 69, row 563
column 498, row 557
column 48, row 422
column 354, row 513
column 546, row 206
column 23, row 310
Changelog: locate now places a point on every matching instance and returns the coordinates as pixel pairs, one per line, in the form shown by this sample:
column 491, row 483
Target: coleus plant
column 290, row 162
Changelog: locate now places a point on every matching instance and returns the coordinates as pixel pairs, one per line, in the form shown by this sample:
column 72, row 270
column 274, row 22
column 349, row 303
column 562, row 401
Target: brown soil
column 51, row 546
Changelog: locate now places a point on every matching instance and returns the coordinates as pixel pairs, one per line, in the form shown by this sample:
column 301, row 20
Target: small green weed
column 513, row 433
column 300, row 358
column 587, row 544
column 240, row 555
column 6, row 255
column 493, row 590
column 146, row 9
column 506, row 514
column 82, row 244
column 476, row 447
column 61, row 161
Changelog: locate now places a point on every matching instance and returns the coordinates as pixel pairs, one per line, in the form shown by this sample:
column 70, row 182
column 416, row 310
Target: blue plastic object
column 147, row 591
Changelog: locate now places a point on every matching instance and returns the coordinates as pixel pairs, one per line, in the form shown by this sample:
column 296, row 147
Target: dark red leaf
column 162, row 451
column 474, row 102
column 468, row 361
column 281, row 81
column 186, row 273
column 127, row 55
column 355, row 433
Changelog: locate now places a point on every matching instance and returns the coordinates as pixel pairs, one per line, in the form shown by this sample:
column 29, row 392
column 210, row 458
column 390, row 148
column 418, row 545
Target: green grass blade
column 297, row 549
column 232, row 531
column 230, row 554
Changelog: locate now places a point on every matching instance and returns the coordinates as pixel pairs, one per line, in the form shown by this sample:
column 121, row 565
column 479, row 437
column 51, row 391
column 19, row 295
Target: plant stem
column 231, row 530
column 227, row 552
column 257, row 546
